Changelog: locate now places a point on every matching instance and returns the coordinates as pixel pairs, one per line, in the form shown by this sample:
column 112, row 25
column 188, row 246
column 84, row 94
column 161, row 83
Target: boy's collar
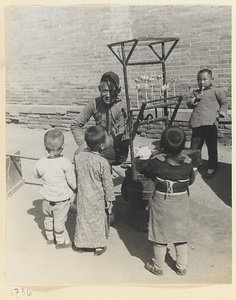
column 50, row 156
column 91, row 151
column 162, row 157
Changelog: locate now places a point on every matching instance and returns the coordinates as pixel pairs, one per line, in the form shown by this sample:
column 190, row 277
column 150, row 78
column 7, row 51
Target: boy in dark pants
column 209, row 104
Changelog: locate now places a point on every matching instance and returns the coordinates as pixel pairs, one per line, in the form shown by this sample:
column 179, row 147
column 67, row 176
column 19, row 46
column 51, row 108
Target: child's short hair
column 95, row 136
column 208, row 71
column 53, row 140
column 173, row 140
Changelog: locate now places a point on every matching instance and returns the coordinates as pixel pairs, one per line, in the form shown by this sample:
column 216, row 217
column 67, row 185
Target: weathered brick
column 46, row 78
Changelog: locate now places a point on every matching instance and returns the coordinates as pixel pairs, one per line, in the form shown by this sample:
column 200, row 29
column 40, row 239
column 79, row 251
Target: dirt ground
column 29, row 260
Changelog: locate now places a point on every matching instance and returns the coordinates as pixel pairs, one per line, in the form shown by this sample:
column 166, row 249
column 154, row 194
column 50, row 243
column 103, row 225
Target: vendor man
column 108, row 111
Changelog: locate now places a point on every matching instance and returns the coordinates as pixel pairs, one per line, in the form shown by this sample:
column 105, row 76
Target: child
column 169, row 216
column 95, row 191
column 58, row 177
column 208, row 103
column 109, row 111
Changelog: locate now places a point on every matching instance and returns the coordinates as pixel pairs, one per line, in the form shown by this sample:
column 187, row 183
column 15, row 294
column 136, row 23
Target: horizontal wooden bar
column 33, row 183
column 25, row 157
column 122, row 42
column 148, row 39
column 153, row 120
column 156, row 106
column 22, row 156
column 162, row 105
column 165, row 40
column 144, row 63
column 168, row 98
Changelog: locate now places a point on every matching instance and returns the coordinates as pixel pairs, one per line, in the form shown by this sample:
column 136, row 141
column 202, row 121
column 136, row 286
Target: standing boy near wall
column 209, row 104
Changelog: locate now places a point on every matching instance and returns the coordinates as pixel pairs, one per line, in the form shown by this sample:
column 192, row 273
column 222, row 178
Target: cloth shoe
column 99, row 251
column 181, row 272
column 153, row 268
column 50, row 242
column 63, row 245
column 79, row 250
column 210, row 173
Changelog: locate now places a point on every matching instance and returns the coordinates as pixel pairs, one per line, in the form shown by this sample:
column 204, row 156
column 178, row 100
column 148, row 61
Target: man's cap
column 112, row 77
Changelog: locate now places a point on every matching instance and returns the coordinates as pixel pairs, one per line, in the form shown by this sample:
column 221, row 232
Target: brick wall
column 55, row 56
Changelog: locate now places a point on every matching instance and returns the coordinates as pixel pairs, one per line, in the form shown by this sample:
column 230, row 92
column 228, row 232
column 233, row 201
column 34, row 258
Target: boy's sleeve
column 70, row 174
column 192, row 175
column 148, row 169
column 107, row 183
column 223, row 102
column 78, row 123
column 143, row 168
column 191, row 101
column 36, row 171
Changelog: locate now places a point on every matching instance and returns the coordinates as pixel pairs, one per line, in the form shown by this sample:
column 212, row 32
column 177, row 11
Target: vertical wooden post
column 130, row 123
column 164, row 79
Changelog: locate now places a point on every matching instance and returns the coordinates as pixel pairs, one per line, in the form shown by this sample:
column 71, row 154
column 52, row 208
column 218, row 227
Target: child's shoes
column 181, row 272
column 210, row 173
column 79, row 250
column 153, row 268
column 99, row 251
column 63, row 245
column 50, row 242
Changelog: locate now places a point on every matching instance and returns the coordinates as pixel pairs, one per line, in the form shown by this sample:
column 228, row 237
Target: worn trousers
column 55, row 217
column 206, row 134
column 181, row 254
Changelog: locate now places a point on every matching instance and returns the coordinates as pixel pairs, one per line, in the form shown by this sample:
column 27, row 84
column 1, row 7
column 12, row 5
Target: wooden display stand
column 123, row 51
column 14, row 178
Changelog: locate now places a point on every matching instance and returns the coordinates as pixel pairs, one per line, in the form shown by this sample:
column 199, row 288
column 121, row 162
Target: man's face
column 204, row 80
column 107, row 92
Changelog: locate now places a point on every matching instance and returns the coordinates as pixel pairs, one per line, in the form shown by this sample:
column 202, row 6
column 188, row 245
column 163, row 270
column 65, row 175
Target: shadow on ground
column 37, row 212
column 134, row 240
column 220, row 183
